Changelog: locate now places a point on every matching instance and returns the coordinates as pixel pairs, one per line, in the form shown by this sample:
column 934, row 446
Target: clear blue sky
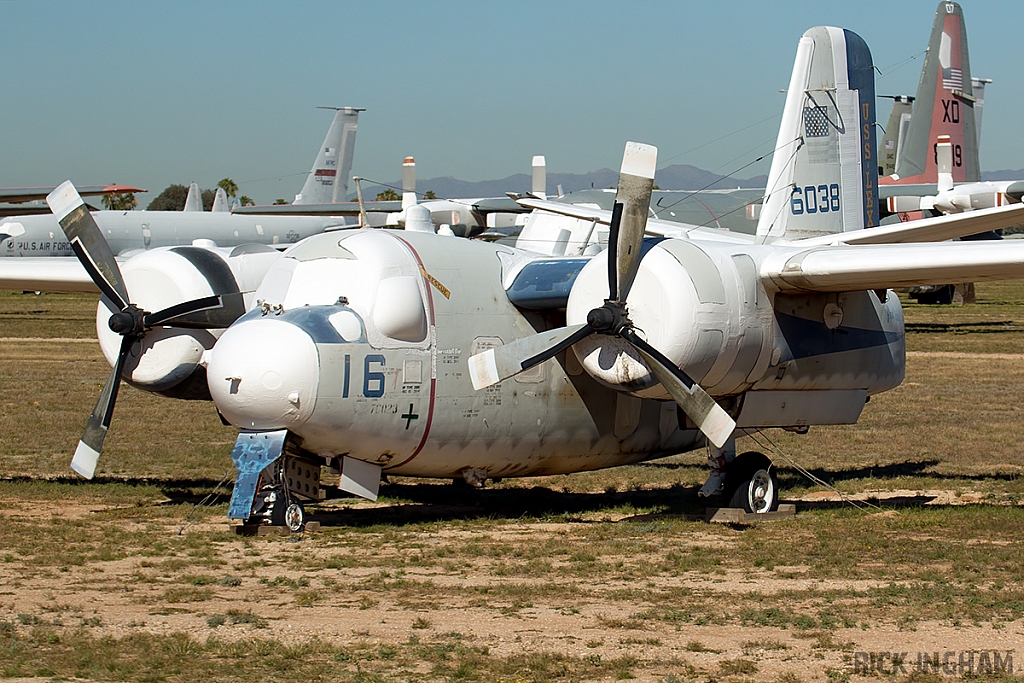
column 153, row 93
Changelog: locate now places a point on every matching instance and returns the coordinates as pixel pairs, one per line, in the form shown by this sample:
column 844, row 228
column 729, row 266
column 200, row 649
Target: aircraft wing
column 483, row 206
column 883, row 266
column 45, row 274
column 572, row 210
column 23, row 209
column 936, row 229
column 655, row 226
column 28, row 194
column 328, row 209
column 916, row 190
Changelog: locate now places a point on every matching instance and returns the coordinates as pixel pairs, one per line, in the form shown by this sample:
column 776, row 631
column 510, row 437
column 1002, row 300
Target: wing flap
column 858, row 268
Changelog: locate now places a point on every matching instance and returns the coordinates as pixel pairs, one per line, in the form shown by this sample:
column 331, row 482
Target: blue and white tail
column 328, row 179
column 824, row 174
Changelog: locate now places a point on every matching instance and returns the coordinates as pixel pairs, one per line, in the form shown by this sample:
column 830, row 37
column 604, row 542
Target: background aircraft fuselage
column 138, row 230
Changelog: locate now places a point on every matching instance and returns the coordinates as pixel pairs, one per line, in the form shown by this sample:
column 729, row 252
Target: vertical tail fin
column 220, row 201
column 944, row 105
column 824, row 174
column 895, row 133
column 978, row 86
column 328, row 179
column 408, row 182
column 194, row 199
column 539, row 178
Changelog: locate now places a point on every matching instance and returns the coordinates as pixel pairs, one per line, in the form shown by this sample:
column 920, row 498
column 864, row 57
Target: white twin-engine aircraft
column 390, row 352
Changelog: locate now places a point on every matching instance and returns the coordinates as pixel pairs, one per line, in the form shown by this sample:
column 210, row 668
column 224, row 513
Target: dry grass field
column 597, row 576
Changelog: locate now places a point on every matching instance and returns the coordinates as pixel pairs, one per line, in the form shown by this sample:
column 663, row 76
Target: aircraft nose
column 263, row 374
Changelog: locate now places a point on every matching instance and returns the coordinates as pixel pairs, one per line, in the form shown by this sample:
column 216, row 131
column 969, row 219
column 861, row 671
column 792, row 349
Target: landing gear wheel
column 292, row 516
column 751, row 484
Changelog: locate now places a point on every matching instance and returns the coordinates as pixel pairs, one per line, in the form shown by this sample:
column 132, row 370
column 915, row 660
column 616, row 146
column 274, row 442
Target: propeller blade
column 209, row 312
column 494, row 365
column 89, row 447
column 87, row 240
column 636, row 181
column 613, row 239
column 709, row 417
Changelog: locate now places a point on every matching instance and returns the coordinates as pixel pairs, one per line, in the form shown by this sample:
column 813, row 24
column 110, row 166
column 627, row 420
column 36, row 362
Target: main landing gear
column 744, row 481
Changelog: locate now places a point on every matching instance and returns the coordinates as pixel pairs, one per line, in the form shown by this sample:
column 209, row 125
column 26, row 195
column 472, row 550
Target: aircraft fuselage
column 127, row 231
column 361, row 342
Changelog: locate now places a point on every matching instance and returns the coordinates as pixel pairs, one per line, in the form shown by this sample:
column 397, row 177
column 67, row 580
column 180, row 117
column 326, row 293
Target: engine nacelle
column 167, row 359
column 706, row 311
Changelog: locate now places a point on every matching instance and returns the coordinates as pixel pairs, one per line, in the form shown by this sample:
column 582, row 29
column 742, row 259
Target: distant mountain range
column 677, row 177
column 1003, row 175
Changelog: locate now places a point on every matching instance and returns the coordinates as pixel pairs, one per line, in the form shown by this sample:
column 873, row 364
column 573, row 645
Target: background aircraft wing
column 656, row 227
column 935, row 229
column 572, row 210
column 328, row 209
column 883, row 266
column 483, row 206
column 28, row 194
column 45, row 274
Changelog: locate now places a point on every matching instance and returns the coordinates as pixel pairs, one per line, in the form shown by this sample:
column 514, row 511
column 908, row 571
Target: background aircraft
column 15, row 198
column 126, row 231
column 382, row 351
column 948, row 105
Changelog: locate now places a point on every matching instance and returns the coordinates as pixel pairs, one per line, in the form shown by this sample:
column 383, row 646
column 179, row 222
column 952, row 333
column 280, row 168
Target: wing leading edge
column 45, row 274
column 884, row 266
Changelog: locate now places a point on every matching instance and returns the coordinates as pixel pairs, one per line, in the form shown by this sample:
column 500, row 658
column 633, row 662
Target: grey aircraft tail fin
column 408, row 182
column 327, row 181
column 539, row 178
column 194, row 198
column 945, row 105
column 895, row 133
column 824, row 174
column 220, row 201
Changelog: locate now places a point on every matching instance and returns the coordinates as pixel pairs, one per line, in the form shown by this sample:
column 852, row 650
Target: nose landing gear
column 274, row 480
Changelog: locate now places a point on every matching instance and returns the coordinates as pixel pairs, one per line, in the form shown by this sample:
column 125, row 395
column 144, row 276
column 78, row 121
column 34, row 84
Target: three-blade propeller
column 625, row 239
column 131, row 322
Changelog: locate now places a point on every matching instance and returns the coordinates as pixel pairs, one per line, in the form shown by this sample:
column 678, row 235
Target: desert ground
column 908, row 564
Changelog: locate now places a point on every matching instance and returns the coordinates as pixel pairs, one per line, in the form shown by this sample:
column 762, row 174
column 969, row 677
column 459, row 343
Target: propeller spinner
column 131, row 322
column 629, row 220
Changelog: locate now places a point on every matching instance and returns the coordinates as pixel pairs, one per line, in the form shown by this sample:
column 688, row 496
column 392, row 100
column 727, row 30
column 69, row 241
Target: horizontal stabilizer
column 885, row 266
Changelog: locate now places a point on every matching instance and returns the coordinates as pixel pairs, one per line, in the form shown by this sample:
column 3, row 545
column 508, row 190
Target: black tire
column 291, row 516
column 943, row 296
column 751, row 484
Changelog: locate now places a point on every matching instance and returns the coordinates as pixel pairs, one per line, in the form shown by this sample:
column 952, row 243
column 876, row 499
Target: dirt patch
column 669, row 598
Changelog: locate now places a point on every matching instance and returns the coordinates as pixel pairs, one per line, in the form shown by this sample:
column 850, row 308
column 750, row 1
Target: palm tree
column 245, row 201
column 229, row 185
column 387, row 195
column 120, row 202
